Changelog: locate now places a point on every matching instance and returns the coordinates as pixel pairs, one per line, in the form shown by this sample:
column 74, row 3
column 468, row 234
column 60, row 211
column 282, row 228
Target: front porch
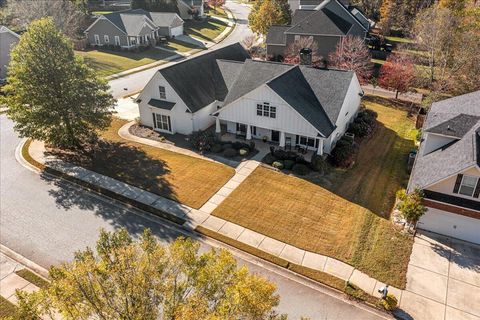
column 266, row 138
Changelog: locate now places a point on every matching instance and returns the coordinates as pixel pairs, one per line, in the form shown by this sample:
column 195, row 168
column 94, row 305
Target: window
column 467, row 186
column 117, row 40
column 163, row 94
column 97, row 39
column 266, row 110
column 162, row 122
column 307, row 141
column 106, row 39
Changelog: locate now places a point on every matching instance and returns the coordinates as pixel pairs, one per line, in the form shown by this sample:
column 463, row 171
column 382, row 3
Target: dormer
column 442, row 135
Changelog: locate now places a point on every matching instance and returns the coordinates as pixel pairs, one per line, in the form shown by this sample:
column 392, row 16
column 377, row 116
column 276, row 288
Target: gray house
column 8, row 39
column 133, row 28
column 328, row 23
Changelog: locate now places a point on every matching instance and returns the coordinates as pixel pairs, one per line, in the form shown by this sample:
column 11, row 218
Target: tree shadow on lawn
column 125, row 163
column 193, row 27
column 380, row 169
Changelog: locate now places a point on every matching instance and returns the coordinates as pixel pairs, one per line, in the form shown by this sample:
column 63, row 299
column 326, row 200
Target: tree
column 127, row 279
column 371, row 8
column 353, row 54
column 266, row 13
column 155, row 5
column 51, row 93
column 215, row 4
column 388, row 12
column 68, row 16
column 292, row 53
column 410, row 205
column 397, row 73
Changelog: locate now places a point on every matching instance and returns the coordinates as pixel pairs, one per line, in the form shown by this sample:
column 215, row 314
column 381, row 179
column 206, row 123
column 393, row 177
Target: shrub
column 280, row 154
column 390, row 302
column 301, row 160
column 230, row 153
column 288, row 164
column 216, row 148
column 343, row 153
column 227, row 146
column 269, row 159
column 202, row 140
column 278, row 164
column 317, row 163
column 252, row 145
column 237, row 145
column 300, row 169
column 243, row 152
column 364, row 124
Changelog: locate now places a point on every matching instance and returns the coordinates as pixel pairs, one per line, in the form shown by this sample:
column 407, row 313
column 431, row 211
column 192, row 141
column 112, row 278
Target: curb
column 24, row 261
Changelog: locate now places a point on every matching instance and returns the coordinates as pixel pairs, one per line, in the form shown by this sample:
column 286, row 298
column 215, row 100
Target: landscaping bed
column 110, row 62
column 344, row 214
column 188, row 180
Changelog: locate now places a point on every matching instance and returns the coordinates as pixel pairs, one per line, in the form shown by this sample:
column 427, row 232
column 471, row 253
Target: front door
column 275, row 136
column 241, row 129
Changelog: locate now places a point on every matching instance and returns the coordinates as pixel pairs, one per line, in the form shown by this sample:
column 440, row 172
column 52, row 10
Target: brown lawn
column 188, row 180
column 343, row 221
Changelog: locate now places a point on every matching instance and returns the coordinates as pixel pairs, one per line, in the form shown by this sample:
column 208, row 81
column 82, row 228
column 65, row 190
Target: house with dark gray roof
column 447, row 168
column 133, row 28
column 8, row 39
column 326, row 22
column 281, row 103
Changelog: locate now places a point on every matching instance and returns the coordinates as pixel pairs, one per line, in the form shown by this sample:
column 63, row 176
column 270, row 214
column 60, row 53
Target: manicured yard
column 110, row 62
column 399, row 39
column 219, row 12
column 188, row 180
column 7, row 309
column 345, row 224
column 179, row 46
column 33, row 278
column 207, row 30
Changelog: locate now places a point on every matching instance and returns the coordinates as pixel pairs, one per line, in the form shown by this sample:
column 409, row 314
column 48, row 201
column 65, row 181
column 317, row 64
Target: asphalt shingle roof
column 276, row 35
column 161, row 104
column 321, row 21
column 456, row 127
column 132, row 21
column 199, row 81
column 461, row 153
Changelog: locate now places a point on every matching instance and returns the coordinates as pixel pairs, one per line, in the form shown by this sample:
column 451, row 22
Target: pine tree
column 51, row 93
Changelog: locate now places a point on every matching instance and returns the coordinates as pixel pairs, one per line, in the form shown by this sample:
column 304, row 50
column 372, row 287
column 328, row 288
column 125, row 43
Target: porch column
column 218, row 129
column 249, row 132
column 282, row 139
column 320, row 147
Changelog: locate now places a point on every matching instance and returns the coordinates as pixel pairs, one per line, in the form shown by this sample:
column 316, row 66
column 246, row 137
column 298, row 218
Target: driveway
column 443, row 279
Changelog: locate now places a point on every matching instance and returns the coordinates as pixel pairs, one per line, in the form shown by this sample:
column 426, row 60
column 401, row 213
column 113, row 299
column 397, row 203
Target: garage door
column 177, row 31
column 450, row 224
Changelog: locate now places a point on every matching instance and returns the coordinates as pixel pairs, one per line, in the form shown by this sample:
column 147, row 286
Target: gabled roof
column 462, row 153
column 5, row 30
column 276, row 35
column 323, row 22
column 300, row 14
column 316, row 94
column 199, row 81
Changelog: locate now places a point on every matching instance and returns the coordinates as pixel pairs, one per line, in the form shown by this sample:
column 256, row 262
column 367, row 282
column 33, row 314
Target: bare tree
column 353, row 54
column 292, row 53
column 254, row 46
column 67, row 16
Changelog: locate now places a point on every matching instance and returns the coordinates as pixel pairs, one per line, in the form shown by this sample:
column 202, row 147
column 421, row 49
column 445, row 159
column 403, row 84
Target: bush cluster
column 234, row 148
column 290, row 160
column 202, row 140
column 343, row 153
column 364, row 124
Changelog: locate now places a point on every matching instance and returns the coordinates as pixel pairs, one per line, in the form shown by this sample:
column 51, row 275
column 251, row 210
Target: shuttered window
column 457, row 183
column 468, row 185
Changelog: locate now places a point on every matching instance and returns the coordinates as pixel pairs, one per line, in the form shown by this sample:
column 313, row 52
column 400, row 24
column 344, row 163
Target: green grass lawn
column 7, row 309
column 219, row 12
column 343, row 214
column 207, row 30
column 399, row 39
column 33, row 278
column 179, row 46
column 188, row 180
column 110, row 62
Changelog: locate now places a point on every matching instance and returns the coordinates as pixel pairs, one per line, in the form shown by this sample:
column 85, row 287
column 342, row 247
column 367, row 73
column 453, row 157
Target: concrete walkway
column 204, row 218
column 10, row 281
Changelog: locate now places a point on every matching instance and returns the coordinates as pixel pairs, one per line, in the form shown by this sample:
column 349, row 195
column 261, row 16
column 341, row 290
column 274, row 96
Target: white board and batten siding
column 182, row 121
column 347, row 114
column 244, row 110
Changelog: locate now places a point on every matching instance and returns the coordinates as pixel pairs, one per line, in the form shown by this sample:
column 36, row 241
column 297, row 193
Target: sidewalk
column 379, row 91
column 193, row 218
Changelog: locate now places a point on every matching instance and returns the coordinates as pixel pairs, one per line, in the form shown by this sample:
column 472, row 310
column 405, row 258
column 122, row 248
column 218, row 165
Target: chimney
column 306, row 56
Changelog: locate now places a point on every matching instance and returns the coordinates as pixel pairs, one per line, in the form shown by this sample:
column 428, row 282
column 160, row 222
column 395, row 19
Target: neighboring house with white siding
column 8, row 39
column 133, row 28
column 447, row 168
column 255, row 99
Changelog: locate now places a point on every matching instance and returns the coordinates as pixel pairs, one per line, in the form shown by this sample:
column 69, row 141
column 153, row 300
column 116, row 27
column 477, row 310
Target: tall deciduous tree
column 215, row 4
column 353, row 54
column 398, row 73
column 266, row 13
column 51, row 93
column 143, row 279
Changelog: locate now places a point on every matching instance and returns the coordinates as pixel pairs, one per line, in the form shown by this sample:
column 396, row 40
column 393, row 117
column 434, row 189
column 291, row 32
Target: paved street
column 47, row 220
column 135, row 82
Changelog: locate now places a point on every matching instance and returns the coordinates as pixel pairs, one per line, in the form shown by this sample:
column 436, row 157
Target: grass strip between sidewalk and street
column 98, row 189
column 7, row 309
column 33, row 278
column 319, row 276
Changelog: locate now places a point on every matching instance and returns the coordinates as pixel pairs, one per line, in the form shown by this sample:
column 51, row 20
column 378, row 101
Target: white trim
column 103, row 18
column 474, row 187
column 117, row 43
